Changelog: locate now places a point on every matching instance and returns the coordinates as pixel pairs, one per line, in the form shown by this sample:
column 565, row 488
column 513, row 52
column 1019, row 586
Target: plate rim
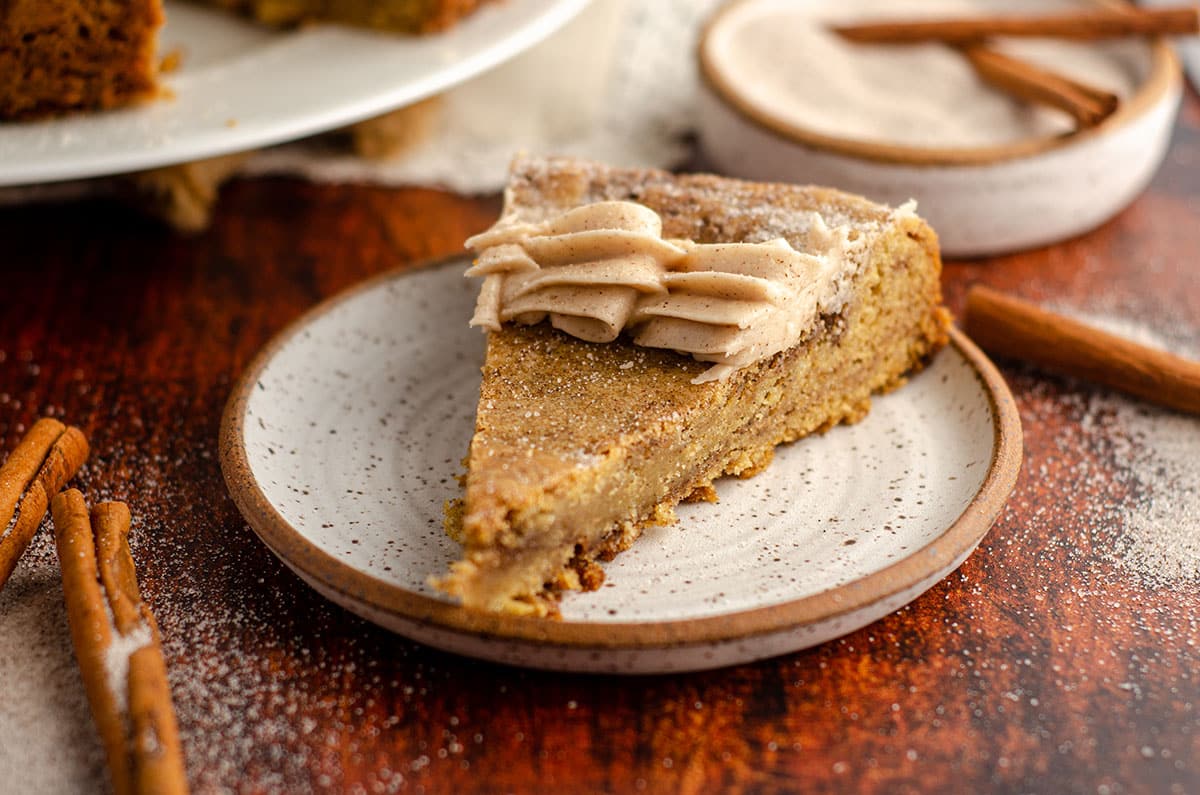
column 287, row 543
column 243, row 137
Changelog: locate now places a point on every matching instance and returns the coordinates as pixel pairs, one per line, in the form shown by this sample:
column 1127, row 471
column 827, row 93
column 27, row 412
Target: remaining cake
column 58, row 56
column 403, row 16
column 61, row 56
column 578, row 445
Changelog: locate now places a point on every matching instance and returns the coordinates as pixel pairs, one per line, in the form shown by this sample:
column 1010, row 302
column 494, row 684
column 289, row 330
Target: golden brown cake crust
column 578, row 445
column 58, row 56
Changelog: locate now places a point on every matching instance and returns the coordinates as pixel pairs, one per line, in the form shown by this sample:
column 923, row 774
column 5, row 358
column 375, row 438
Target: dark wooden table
column 1038, row 667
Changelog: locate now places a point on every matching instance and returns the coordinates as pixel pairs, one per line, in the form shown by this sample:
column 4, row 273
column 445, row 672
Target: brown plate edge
column 298, row 552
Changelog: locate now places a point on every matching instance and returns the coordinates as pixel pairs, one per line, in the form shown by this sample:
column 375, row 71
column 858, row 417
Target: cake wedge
column 650, row 333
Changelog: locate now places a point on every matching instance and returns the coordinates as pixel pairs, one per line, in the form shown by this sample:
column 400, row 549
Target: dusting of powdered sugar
column 1155, row 463
column 117, row 657
column 48, row 743
column 230, row 703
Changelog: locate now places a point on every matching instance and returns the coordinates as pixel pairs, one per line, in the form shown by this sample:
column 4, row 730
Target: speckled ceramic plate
column 343, row 439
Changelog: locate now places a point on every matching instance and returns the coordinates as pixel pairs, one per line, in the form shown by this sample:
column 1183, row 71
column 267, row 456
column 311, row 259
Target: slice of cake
column 58, row 56
column 649, row 333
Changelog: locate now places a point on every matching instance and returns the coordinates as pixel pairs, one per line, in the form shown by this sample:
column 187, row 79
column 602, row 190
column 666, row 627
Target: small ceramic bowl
column 982, row 201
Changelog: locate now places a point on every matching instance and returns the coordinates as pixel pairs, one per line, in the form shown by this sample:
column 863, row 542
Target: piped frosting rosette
column 585, row 269
column 602, row 269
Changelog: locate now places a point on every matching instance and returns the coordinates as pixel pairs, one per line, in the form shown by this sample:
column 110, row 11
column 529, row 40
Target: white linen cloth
column 617, row 84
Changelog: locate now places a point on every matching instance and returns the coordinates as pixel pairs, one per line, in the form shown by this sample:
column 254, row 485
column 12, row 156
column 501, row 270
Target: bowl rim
column 1165, row 73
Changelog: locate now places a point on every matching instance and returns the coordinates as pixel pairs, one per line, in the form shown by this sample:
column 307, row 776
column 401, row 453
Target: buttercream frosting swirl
column 602, row 269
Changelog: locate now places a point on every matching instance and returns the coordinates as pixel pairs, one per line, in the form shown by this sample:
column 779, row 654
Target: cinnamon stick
column 1086, row 104
column 1090, row 24
column 40, row 466
column 1010, row 327
column 23, row 463
column 118, row 647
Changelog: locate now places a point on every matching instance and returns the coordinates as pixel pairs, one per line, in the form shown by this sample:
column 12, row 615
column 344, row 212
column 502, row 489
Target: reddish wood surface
column 1038, row 667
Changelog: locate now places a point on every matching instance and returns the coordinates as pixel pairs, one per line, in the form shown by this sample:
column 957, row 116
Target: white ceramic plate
column 343, row 440
column 243, row 86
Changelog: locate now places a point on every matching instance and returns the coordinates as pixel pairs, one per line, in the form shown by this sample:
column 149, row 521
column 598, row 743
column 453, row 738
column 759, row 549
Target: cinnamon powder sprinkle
column 233, row 661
